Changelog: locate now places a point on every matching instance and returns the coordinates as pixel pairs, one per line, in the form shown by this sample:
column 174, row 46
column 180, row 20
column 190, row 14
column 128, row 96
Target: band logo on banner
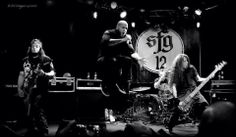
column 159, row 48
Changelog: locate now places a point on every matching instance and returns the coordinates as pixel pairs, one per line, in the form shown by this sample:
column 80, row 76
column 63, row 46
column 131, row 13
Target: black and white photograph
column 117, row 68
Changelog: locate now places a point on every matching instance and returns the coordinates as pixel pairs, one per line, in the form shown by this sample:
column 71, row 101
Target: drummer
column 162, row 84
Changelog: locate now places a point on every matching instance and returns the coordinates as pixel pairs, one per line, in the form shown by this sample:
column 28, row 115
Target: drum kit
column 150, row 108
column 159, row 49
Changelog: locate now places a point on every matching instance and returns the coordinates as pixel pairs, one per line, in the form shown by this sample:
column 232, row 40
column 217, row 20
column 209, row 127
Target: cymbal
column 140, row 89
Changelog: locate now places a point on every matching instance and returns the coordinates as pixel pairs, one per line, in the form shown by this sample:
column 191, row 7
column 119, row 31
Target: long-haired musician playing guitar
column 183, row 79
column 33, row 86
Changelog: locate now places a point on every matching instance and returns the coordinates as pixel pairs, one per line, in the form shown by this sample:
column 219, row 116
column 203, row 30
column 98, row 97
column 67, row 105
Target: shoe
column 111, row 116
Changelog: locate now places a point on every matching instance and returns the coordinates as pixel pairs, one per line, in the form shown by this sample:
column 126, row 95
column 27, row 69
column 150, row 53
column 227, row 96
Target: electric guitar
column 187, row 100
column 29, row 83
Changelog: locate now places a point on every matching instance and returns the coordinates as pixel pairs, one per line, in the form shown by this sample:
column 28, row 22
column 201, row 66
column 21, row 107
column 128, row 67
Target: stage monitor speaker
column 90, row 105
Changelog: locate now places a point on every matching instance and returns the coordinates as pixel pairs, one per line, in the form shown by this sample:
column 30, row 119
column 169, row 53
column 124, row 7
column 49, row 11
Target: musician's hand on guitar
column 180, row 103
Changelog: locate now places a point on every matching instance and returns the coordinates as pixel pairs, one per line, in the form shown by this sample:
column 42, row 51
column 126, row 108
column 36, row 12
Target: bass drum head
column 159, row 48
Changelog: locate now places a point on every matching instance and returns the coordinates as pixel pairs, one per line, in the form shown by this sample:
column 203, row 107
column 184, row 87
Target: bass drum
column 159, row 48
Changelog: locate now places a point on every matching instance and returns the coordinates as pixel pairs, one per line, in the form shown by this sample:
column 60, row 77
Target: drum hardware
column 159, row 49
column 140, row 89
column 149, row 108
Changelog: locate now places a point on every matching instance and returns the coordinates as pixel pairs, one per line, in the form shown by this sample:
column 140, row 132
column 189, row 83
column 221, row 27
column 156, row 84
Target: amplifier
column 88, row 84
column 90, row 100
column 223, row 86
column 222, row 90
column 62, row 84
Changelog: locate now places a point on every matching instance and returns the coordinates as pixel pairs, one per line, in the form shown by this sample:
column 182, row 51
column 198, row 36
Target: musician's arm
column 200, row 79
column 20, row 84
column 114, row 42
column 49, row 74
column 141, row 61
column 157, row 84
column 174, row 91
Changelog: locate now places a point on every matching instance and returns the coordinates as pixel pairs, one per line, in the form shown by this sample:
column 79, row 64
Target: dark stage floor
column 116, row 128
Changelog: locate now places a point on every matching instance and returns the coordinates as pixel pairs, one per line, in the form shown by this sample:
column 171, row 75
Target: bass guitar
column 187, row 100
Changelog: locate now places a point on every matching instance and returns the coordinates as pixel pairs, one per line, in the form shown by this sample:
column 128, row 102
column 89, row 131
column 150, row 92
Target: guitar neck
column 203, row 83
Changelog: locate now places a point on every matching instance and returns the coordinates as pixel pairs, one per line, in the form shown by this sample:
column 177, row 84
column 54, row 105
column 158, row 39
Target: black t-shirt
column 118, row 49
column 189, row 81
column 37, row 62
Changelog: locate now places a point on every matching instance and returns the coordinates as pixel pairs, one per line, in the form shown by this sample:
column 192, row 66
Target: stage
column 117, row 128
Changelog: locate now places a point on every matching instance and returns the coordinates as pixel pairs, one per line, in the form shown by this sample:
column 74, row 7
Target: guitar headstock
column 220, row 65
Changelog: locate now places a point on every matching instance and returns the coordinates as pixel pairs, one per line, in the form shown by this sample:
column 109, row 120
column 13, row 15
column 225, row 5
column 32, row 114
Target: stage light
column 50, row 3
column 185, row 8
column 133, row 24
column 123, row 14
column 113, row 5
column 142, row 10
column 198, row 24
column 95, row 14
column 90, row 2
column 147, row 22
column 198, row 12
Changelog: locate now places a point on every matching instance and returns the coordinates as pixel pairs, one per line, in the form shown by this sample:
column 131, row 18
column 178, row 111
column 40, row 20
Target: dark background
column 71, row 36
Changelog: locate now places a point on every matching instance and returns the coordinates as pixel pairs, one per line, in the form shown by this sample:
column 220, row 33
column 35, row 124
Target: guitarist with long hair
column 33, row 86
column 183, row 79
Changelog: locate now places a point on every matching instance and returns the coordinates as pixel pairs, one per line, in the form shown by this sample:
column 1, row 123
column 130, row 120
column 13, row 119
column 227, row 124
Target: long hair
column 41, row 51
column 177, row 69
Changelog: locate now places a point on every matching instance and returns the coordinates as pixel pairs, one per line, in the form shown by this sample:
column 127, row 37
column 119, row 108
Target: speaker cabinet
column 90, row 105
column 223, row 90
column 61, row 105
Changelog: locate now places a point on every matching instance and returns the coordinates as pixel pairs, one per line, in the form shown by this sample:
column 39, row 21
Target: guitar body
column 186, row 102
